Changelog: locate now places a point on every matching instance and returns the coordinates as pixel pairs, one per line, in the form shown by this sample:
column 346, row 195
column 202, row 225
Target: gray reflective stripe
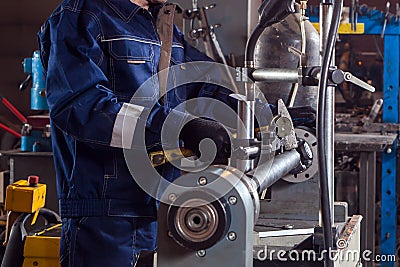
column 125, row 124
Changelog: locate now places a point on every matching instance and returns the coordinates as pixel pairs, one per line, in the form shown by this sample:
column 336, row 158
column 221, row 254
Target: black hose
column 321, row 122
column 251, row 44
column 270, row 11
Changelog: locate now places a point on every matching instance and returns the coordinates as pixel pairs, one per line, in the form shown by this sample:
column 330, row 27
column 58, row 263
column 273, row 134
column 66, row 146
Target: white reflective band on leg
column 125, row 124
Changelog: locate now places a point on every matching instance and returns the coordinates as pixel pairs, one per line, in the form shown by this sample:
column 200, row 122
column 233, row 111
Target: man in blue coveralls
column 96, row 54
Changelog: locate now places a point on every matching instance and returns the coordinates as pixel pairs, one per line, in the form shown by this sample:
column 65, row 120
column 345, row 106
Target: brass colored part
column 159, row 158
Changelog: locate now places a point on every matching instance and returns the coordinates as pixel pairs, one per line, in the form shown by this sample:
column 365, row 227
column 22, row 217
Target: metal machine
column 32, row 233
column 36, row 130
column 272, row 201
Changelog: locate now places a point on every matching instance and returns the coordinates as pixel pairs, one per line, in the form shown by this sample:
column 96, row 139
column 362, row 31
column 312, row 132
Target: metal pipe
column 269, row 172
column 246, row 127
column 276, row 75
column 326, row 12
column 208, row 44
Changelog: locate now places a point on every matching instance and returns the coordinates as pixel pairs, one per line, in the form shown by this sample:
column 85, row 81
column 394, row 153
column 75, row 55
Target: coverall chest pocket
column 178, row 73
column 131, row 65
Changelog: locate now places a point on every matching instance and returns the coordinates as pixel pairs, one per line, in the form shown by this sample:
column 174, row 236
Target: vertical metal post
column 389, row 159
column 367, row 190
column 252, row 15
column 246, row 124
column 325, row 22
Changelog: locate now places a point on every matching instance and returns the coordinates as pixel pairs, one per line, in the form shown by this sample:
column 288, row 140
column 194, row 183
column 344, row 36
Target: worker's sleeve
column 80, row 101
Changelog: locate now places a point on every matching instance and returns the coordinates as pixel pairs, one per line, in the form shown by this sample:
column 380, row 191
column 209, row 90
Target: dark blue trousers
column 106, row 241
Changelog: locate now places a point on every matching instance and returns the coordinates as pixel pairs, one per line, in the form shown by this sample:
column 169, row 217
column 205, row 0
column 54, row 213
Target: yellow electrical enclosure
column 21, row 197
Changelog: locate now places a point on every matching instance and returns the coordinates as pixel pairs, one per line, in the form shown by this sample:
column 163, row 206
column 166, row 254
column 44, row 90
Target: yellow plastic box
column 20, row 197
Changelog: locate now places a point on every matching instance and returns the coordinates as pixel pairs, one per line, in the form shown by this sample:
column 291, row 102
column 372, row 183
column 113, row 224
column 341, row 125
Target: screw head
column 172, row 197
column 202, row 181
column 389, row 150
column 201, row 253
column 232, row 200
column 232, row 236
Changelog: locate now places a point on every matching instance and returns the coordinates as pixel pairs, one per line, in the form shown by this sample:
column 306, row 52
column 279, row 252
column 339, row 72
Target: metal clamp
column 338, row 76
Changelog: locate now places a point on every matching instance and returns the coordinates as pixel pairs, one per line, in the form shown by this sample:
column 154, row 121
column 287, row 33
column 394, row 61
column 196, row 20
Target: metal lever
column 25, row 83
column 348, row 77
column 201, row 32
column 339, row 76
column 386, row 19
column 373, row 113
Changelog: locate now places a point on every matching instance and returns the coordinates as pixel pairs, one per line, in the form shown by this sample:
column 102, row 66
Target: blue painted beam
column 389, row 160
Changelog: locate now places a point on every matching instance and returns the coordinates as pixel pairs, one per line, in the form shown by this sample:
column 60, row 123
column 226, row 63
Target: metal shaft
column 276, row 75
column 208, row 43
column 271, row 171
column 246, row 126
column 325, row 22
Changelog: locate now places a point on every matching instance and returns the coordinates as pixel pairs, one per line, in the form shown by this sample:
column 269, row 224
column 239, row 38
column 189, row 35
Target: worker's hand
column 198, row 129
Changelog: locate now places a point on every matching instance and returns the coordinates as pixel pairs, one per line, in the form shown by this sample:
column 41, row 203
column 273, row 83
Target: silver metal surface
column 311, row 171
column 272, row 51
column 250, row 151
column 269, row 172
column 290, row 140
column 325, row 22
column 276, row 75
column 367, row 191
column 373, row 113
column 286, row 232
column 293, row 202
column 246, row 125
column 235, row 248
column 196, row 220
column 353, row 79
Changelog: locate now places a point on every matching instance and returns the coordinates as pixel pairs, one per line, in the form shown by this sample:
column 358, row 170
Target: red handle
column 14, row 110
column 2, row 126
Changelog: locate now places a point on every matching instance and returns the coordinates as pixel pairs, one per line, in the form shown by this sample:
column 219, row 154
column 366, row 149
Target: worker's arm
column 212, row 90
column 81, row 102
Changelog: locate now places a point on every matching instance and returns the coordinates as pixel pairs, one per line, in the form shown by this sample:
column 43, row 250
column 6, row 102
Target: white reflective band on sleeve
column 125, row 124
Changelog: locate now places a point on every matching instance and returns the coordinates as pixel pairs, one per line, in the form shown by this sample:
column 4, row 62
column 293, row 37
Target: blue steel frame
column 373, row 24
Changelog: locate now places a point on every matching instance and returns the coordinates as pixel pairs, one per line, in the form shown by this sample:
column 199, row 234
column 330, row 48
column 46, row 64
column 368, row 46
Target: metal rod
column 268, row 173
column 276, row 75
column 11, row 131
column 325, row 22
column 246, row 126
